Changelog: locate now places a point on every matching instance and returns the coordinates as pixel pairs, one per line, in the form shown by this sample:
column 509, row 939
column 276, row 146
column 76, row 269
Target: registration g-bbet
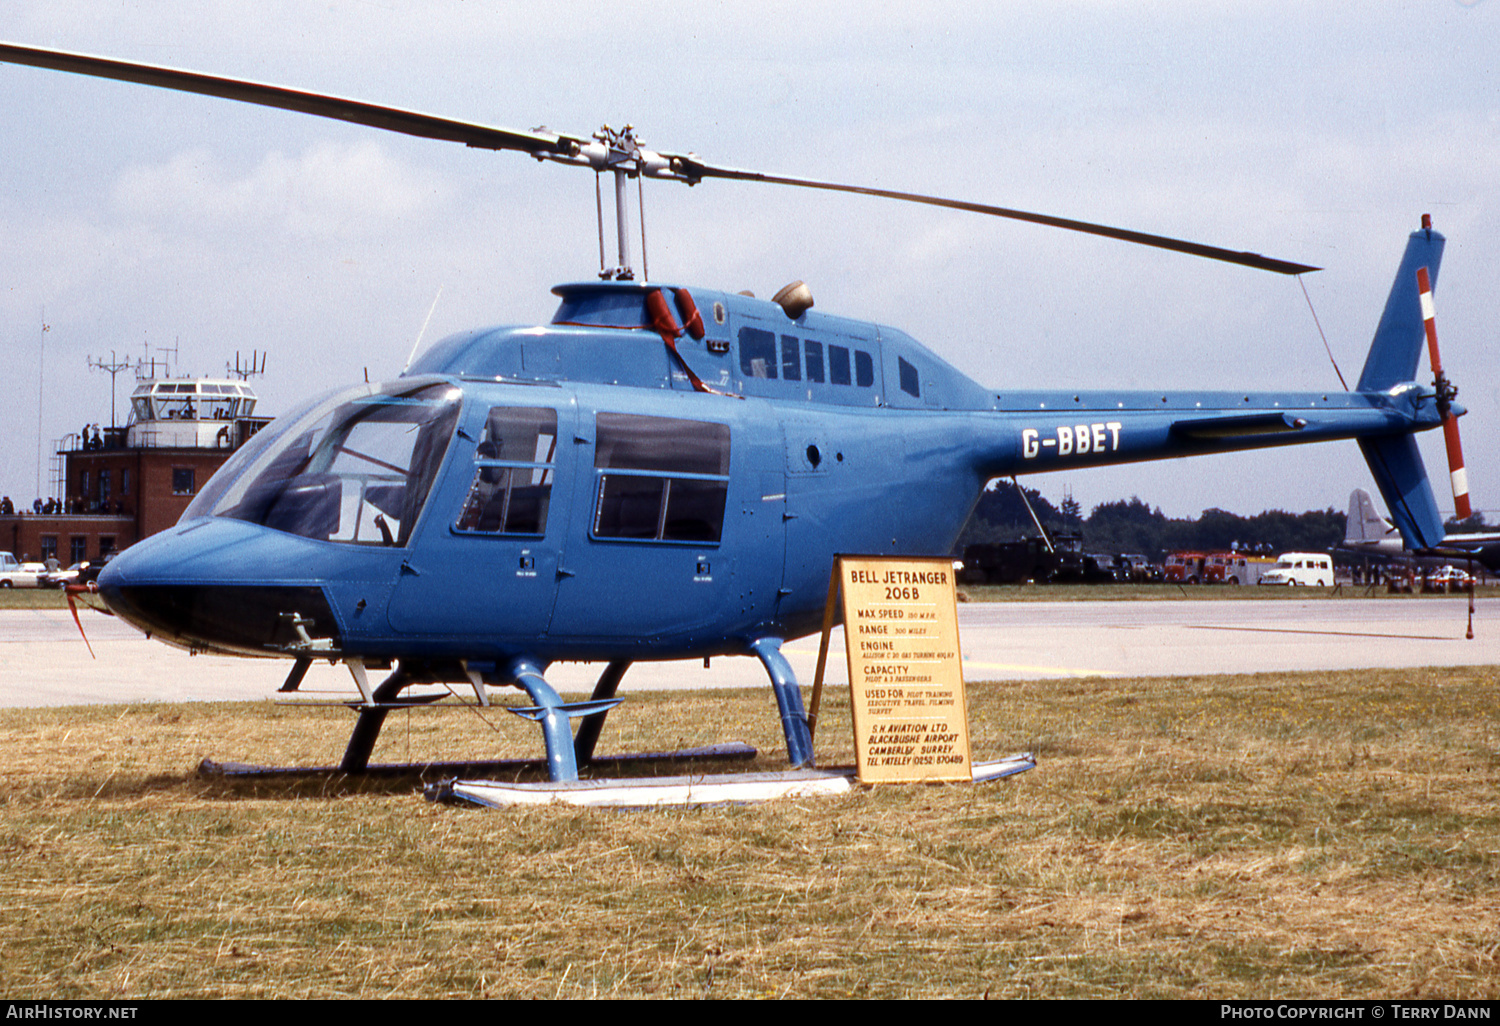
column 1072, row 440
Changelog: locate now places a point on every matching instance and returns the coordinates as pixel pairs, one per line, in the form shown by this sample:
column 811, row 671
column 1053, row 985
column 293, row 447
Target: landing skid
column 631, row 761
column 565, row 750
column 655, row 792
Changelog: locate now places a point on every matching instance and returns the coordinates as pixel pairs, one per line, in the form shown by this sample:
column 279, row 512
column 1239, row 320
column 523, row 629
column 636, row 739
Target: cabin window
column 757, row 353
column 814, row 361
column 604, row 308
column 838, row 365
column 791, row 358
column 909, row 382
column 356, row 467
column 660, row 479
column 513, row 467
column 864, row 369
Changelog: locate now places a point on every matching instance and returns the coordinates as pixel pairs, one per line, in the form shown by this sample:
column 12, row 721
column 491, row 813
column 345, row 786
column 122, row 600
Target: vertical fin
column 1365, row 525
column 1399, row 337
column 1396, row 464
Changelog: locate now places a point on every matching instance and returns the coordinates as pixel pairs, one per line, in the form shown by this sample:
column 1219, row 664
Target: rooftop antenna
column 247, row 370
column 145, row 367
column 41, row 365
column 114, row 367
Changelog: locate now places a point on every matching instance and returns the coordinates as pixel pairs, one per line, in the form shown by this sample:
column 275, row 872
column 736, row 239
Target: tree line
column 1131, row 525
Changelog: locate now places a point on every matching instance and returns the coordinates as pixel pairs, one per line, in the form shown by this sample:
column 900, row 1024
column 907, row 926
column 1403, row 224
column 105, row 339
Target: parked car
column 15, row 574
column 1300, row 568
column 1134, row 568
column 63, row 578
column 1448, row 579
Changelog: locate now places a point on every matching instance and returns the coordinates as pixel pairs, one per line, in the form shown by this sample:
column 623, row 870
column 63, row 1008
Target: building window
column 106, row 545
column 103, row 486
column 183, row 481
column 124, row 480
column 49, row 547
column 78, row 548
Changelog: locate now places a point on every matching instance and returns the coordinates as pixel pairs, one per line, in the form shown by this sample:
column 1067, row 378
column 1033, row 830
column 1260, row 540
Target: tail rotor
column 1446, row 392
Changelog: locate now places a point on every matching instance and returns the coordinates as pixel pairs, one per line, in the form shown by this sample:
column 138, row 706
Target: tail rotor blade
column 1445, row 395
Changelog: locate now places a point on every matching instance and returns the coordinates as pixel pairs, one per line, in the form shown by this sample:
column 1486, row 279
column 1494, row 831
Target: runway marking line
column 1342, row 634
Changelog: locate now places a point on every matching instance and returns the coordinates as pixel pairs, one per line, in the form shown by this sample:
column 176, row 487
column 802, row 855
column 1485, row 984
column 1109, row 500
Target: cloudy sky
column 134, row 219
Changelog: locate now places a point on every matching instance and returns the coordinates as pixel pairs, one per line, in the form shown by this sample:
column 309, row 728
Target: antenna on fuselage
column 413, row 354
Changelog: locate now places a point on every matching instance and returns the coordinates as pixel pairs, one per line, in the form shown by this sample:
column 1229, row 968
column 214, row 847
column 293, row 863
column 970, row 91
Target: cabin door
column 485, row 561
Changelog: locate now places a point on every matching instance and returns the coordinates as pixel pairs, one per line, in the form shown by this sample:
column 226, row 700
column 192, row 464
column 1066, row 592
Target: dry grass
column 1321, row 836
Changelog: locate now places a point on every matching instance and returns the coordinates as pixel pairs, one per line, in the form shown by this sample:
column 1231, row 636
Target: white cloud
column 329, row 189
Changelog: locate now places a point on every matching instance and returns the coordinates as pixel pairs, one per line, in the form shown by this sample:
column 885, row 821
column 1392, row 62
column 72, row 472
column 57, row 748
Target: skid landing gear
column 565, row 751
column 799, row 749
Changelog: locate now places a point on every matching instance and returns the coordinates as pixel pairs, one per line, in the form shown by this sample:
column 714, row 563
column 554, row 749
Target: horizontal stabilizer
column 1396, row 464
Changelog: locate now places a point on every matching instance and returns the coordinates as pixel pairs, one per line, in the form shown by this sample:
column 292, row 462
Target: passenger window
column 513, row 467
column 814, row 361
column 909, row 383
column 864, row 369
column 791, row 358
column 660, row 479
column 838, row 365
column 757, row 353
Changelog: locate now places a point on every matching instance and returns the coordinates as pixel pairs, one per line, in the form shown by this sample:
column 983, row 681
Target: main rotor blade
column 566, row 148
column 693, row 169
column 373, row 115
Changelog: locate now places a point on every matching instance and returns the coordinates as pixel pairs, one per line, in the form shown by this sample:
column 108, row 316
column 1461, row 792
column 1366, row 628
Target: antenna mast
column 246, row 371
column 114, row 367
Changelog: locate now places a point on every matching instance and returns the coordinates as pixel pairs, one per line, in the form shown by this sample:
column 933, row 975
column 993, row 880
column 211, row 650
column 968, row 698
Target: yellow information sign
column 906, row 677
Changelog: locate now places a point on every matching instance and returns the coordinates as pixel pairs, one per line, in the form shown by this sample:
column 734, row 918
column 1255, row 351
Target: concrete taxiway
column 43, row 662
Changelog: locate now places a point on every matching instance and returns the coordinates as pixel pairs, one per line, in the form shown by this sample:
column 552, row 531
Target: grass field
column 1318, row 836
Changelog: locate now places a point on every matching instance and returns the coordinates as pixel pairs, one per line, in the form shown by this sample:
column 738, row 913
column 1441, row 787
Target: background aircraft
column 1370, row 533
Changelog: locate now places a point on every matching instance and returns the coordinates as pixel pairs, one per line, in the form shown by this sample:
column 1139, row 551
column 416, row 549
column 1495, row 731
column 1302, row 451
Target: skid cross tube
column 367, row 727
column 588, row 729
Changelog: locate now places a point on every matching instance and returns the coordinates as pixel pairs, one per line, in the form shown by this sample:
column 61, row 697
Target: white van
column 1300, row 568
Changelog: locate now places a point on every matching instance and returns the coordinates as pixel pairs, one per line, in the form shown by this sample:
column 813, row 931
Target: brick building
column 120, row 485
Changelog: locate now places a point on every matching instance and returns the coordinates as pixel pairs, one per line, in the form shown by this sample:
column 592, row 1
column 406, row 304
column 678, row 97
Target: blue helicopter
column 660, row 472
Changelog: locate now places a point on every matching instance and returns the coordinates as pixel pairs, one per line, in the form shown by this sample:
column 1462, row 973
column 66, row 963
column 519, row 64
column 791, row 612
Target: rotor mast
column 620, row 153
